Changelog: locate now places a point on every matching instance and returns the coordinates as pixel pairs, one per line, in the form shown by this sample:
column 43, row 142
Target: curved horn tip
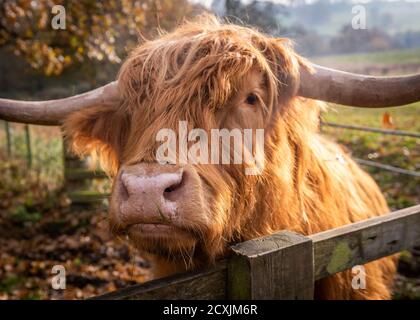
column 52, row 112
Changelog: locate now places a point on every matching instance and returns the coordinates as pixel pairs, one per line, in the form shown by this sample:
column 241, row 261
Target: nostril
column 173, row 187
column 170, row 189
column 171, row 192
column 122, row 190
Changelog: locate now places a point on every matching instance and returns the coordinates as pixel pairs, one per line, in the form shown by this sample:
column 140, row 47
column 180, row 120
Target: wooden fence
column 8, row 134
column 285, row 265
column 77, row 174
column 78, row 180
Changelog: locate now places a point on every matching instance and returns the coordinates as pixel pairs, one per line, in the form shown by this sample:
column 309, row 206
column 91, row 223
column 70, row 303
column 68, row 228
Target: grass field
column 403, row 152
column 385, row 57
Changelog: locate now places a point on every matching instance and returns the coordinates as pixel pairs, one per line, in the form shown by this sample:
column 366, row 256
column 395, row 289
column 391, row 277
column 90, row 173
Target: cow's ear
column 100, row 132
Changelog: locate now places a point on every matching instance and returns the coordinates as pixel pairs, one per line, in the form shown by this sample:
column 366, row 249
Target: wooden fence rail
column 285, row 265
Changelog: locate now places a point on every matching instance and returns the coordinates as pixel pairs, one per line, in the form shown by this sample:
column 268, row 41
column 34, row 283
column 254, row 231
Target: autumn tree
column 261, row 14
column 95, row 30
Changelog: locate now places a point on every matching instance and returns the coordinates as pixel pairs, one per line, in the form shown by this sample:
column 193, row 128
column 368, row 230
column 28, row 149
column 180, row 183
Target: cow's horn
column 358, row 90
column 52, row 112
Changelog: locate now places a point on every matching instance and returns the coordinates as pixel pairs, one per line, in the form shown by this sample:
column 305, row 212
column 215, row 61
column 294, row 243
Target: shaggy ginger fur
column 202, row 73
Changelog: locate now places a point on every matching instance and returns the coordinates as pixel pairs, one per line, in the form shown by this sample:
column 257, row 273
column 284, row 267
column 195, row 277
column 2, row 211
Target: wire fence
column 8, row 133
column 375, row 164
column 369, row 129
column 387, row 167
column 9, row 142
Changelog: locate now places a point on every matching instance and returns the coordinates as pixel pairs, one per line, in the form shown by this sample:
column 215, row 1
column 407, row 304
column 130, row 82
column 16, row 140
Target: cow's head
column 211, row 76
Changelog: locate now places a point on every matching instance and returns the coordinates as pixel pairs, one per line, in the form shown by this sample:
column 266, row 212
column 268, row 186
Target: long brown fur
column 191, row 74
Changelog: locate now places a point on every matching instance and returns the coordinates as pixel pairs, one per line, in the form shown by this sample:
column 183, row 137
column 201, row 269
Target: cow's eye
column 251, row 99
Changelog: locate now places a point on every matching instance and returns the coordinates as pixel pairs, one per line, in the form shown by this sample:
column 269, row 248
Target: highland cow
column 217, row 75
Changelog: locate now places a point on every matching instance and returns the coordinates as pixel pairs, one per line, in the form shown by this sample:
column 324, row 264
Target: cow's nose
column 150, row 198
column 159, row 185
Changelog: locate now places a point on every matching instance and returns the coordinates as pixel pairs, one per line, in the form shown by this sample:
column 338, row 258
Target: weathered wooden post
column 8, row 138
column 78, row 180
column 28, row 147
column 279, row 266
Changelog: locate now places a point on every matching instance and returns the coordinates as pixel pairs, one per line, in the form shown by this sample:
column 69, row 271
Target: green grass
column 8, row 283
column 406, row 118
column 404, row 152
column 47, row 153
column 388, row 57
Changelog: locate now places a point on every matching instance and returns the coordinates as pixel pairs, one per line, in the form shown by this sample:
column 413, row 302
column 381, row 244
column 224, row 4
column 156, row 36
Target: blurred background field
column 38, row 226
column 403, row 152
